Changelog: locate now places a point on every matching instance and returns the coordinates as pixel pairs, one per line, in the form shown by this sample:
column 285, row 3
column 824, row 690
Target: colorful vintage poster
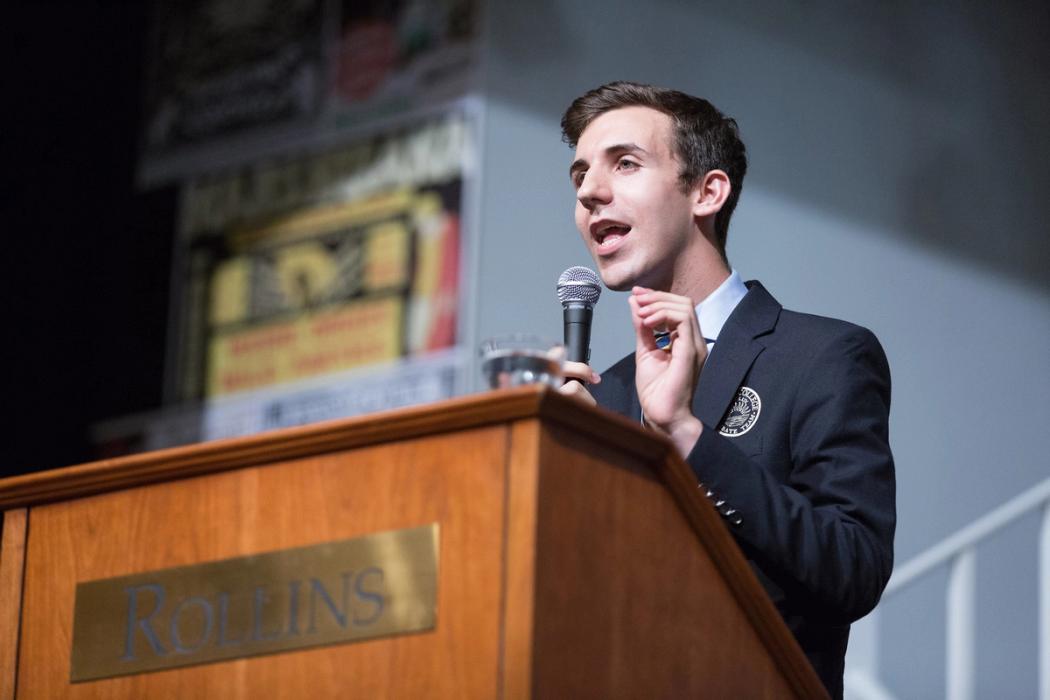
column 333, row 288
column 323, row 265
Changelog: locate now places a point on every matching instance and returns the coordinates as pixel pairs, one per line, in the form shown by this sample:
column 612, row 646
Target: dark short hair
column 704, row 138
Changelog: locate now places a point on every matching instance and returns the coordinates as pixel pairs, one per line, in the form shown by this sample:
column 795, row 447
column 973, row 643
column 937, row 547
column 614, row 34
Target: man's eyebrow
column 614, row 150
column 618, row 148
column 577, row 165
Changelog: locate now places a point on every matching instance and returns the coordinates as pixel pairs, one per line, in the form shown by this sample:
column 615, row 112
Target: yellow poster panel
column 335, row 339
column 386, row 255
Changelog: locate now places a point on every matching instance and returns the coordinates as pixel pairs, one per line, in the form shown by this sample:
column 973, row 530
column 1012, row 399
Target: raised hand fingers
column 668, row 314
column 655, row 310
column 643, row 333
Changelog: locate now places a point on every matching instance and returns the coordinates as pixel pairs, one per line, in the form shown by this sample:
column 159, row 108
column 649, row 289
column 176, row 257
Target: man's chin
column 617, row 283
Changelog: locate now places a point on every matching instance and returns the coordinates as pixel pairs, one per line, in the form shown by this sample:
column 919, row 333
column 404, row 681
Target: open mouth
column 609, row 235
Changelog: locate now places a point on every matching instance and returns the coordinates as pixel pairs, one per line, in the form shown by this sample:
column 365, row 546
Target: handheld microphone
column 578, row 292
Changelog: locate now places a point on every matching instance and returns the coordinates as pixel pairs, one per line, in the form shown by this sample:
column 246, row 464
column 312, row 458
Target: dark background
column 88, row 256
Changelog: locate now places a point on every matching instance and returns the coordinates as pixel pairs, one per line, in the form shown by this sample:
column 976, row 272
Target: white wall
column 897, row 180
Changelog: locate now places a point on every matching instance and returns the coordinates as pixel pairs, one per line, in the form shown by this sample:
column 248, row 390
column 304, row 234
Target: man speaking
column 782, row 416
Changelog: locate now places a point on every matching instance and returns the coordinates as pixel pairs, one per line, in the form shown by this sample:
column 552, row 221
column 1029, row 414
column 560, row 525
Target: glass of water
column 520, row 358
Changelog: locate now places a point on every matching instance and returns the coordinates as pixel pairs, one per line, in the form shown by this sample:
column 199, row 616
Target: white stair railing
column 959, row 553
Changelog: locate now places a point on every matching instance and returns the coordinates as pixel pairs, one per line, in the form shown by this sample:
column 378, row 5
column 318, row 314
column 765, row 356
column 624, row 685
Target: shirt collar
column 713, row 311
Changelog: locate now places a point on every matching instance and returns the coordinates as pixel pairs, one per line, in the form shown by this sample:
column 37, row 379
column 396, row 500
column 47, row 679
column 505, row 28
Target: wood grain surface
column 519, row 561
column 733, row 568
column 12, row 561
column 578, row 557
column 628, row 602
column 477, row 410
column 456, row 480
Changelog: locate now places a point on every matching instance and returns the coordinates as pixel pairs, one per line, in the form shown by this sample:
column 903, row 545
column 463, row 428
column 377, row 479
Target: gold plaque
column 377, row 585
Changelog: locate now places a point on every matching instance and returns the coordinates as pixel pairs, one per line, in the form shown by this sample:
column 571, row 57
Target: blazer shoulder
column 816, row 339
column 824, row 328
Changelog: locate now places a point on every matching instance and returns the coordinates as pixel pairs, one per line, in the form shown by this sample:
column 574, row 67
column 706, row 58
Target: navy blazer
column 795, row 455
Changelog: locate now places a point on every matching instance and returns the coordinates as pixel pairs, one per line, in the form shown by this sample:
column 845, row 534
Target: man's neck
column 700, row 269
column 699, row 279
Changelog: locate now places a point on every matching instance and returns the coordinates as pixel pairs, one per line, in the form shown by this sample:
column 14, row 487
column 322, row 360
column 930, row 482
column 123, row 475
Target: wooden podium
column 577, row 558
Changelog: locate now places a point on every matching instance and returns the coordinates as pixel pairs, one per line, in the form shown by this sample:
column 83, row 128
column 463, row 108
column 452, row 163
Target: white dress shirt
column 713, row 311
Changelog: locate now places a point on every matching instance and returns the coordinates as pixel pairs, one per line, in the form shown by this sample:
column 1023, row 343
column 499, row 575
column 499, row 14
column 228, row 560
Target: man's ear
column 710, row 193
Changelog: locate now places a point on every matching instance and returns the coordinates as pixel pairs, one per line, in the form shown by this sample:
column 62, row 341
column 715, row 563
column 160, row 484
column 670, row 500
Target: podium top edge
column 471, row 411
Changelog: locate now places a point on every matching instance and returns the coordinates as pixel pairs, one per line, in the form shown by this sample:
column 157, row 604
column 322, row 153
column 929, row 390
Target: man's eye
column 626, row 163
column 577, row 179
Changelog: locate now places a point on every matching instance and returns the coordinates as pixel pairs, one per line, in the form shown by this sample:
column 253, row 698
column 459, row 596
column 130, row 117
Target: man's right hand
column 578, row 389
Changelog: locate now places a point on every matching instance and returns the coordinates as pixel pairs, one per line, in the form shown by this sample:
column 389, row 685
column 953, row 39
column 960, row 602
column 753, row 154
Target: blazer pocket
column 750, row 445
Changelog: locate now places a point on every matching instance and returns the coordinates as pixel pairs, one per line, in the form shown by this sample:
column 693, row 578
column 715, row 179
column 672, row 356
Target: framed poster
column 312, row 276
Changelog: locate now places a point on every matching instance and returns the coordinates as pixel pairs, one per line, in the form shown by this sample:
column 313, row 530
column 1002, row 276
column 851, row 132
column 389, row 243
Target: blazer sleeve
column 825, row 534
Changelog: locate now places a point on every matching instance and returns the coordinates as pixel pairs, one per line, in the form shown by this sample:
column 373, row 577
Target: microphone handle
column 577, row 320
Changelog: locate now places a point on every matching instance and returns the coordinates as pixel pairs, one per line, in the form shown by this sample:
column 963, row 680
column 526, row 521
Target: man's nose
column 594, row 190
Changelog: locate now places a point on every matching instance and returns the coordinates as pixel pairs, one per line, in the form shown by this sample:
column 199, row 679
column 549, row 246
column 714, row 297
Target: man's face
column 630, row 208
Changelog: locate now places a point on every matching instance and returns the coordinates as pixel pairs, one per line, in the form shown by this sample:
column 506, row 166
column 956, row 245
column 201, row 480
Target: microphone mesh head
column 579, row 285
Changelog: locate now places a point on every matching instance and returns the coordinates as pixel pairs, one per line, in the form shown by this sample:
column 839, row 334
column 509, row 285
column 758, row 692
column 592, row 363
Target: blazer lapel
column 734, row 352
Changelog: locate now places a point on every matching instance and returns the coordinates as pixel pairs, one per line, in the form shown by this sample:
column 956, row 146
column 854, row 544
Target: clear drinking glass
column 520, row 358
